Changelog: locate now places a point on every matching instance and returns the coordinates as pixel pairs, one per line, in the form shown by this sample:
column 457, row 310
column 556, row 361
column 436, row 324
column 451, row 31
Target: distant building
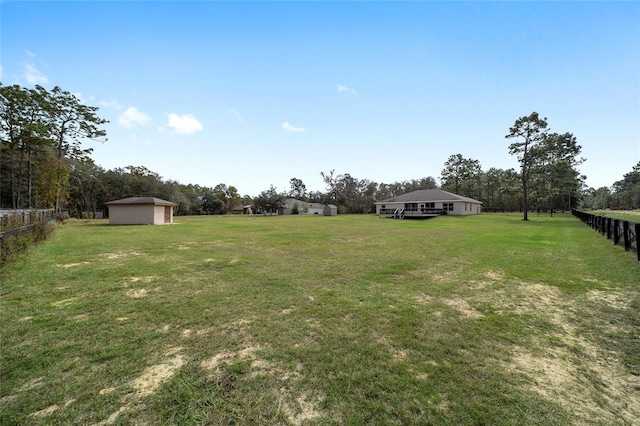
column 427, row 203
column 303, row 207
column 330, row 210
column 248, row 209
column 140, row 211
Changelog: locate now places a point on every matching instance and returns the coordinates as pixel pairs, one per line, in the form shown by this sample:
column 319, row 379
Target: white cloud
column 344, row 89
column 34, row 75
column 290, row 128
column 184, row 124
column 131, row 117
column 113, row 103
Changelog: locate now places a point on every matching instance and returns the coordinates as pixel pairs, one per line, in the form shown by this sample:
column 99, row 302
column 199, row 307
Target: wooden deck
column 402, row 213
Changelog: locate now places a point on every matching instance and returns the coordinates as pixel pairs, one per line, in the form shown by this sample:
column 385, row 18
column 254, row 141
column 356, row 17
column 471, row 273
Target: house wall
column 159, row 217
column 389, row 206
column 130, row 214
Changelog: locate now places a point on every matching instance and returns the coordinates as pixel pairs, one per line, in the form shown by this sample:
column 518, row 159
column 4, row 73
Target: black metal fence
column 623, row 232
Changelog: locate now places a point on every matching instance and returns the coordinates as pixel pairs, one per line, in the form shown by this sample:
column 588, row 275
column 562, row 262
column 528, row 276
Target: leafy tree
column 627, row 190
column 86, row 188
column 52, row 181
column 461, row 176
column 211, row 202
column 24, row 136
column 530, row 130
column 269, row 201
column 332, row 186
column 601, row 198
column 555, row 180
column 70, row 123
column 298, row 189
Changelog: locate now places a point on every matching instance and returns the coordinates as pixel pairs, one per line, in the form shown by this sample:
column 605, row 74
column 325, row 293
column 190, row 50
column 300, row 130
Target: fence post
column 637, row 227
column 616, row 231
column 625, row 234
column 608, row 228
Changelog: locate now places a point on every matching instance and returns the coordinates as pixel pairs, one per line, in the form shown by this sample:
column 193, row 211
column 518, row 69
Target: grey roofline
column 142, row 200
column 428, row 196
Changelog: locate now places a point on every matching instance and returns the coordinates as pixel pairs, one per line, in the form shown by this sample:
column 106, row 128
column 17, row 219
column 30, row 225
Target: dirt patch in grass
column 137, row 293
column 226, row 357
column 72, row 265
column 300, row 409
column 151, row 379
column 119, row 255
column 463, row 307
column 584, row 378
column 65, row 301
column 296, row 405
column 147, row 383
column 46, row 412
column 614, row 300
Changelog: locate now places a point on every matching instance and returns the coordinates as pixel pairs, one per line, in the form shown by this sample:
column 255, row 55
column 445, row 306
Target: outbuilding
column 330, row 210
column 140, row 211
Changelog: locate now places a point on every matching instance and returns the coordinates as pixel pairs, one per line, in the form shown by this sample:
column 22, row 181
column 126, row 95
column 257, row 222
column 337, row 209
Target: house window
column 448, row 207
column 411, row 206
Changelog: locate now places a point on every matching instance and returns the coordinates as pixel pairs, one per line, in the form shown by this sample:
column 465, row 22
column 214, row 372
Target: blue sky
column 252, row 94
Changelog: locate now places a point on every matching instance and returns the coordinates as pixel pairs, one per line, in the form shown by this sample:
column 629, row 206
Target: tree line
column 44, row 165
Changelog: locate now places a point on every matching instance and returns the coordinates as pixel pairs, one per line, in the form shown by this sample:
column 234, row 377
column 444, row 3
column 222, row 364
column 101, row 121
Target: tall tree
column 24, row 136
column 461, row 176
column 298, row 189
column 558, row 156
column 530, row 130
column 70, row 123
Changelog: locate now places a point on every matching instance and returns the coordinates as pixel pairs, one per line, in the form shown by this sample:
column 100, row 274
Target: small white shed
column 140, row 211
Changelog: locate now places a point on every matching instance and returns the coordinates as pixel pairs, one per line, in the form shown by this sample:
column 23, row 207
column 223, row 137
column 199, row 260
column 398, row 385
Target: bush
column 15, row 243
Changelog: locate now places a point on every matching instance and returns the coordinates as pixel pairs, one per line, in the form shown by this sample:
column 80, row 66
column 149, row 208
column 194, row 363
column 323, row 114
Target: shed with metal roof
column 140, row 211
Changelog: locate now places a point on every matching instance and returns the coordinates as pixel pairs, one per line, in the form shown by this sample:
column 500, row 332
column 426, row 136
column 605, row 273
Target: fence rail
column 22, row 225
column 623, row 232
column 17, row 218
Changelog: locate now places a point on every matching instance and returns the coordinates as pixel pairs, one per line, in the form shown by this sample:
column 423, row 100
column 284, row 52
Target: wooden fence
column 17, row 218
column 20, row 223
column 623, row 232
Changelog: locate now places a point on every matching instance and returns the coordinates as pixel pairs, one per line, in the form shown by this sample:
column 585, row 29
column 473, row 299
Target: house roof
column 142, row 200
column 428, row 195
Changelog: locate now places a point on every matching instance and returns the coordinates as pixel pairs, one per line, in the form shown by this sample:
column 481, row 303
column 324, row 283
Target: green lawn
column 322, row 320
column 630, row 215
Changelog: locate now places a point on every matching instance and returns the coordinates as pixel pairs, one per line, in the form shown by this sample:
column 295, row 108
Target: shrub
column 12, row 244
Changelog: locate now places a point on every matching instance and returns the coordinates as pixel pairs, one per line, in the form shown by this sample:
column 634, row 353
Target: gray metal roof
column 143, row 200
column 429, row 196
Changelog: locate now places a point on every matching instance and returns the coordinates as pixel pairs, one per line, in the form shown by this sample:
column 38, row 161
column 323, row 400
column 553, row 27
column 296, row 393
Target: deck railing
column 404, row 212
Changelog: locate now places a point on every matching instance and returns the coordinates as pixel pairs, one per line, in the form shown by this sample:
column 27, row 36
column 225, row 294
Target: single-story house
column 427, row 203
column 248, row 209
column 304, row 207
column 140, row 211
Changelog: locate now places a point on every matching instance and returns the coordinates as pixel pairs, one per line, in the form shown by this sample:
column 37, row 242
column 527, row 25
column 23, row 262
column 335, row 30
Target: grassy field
column 630, row 215
column 322, row 320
